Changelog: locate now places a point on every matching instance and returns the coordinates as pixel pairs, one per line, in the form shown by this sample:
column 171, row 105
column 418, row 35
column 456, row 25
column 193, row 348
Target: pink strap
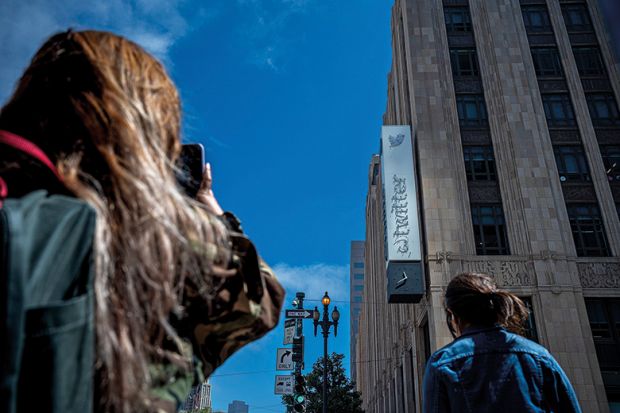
column 24, row 145
column 4, row 191
column 29, row 148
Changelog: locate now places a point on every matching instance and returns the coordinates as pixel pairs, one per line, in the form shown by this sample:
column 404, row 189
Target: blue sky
column 287, row 96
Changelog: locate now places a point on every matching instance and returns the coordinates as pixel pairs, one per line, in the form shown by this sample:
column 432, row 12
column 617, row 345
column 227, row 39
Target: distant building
column 514, row 109
column 238, row 406
column 357, row 295
column 198, row 398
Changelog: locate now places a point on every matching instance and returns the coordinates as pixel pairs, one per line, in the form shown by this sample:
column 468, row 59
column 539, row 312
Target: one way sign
column 284, row 359
column 298, row 314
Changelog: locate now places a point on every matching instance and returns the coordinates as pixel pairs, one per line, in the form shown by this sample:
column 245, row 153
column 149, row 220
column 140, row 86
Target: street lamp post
column 325, row 325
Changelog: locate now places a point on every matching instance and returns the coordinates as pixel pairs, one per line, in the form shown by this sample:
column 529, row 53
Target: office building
column 238, row 406
column 356, row 278
column 199, row 398
column 514, row 108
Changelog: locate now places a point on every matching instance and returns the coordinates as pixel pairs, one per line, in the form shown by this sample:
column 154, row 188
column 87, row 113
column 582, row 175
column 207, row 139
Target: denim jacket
column 493, row 370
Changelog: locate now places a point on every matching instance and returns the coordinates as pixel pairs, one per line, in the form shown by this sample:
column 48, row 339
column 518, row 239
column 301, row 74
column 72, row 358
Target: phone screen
column 190, row 167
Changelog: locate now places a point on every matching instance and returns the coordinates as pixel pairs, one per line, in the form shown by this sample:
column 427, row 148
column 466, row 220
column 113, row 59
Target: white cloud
column 24, row 26
column 264, row 34
column 314, row 280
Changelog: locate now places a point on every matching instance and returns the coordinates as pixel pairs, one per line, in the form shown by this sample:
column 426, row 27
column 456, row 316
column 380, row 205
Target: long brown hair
column 475, row 299
column 108, row 116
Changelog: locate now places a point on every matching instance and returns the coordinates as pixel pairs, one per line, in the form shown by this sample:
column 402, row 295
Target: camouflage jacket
column 247, row 305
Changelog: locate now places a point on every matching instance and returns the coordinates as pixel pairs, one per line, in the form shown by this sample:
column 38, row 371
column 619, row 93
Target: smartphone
column 190, row 166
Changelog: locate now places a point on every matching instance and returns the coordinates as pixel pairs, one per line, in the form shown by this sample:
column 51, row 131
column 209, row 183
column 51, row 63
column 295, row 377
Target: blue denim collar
column 471, row 330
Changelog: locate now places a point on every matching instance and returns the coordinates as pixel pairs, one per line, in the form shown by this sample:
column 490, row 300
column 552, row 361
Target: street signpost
column 289, row 331
column 298, row 314
column 284, row 384
column 284, row 359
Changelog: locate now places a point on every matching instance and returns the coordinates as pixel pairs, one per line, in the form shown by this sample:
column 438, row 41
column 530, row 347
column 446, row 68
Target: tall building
column 514, row 109
column 238, row 406
column 356, row 277
column 198, row 398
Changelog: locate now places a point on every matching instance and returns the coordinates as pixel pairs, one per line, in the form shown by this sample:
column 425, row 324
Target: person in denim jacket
column 488, row 367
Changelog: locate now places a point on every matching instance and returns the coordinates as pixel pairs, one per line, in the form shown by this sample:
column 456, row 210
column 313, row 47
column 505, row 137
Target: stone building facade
column 514, row 109
column 356, row 292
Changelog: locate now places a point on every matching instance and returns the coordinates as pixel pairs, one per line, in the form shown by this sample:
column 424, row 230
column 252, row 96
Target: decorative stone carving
column 461, row 40
column 559, row 136
column 579, row 192
column 476, row 136
column 485, row 267
column 596, row 85
column 582, row 38
column 552, row 85
column 442, row 256
column 471, row 85
column 599, row 274
column 514, row 273
column 506, row 273
column 541, row 39
column 484, row 192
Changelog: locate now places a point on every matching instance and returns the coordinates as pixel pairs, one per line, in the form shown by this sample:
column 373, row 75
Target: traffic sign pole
column 293, row 359
column 299, row 395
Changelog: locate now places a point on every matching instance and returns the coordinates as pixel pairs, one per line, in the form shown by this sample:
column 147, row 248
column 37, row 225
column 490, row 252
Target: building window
column 457, row 19
column 576, row 18
column 358, row 276
column 464, row 62
column 558, row 110
column 479, row 163
column 357, row 299
column 588, row 231
column 472, row 111
column 536, row 19
column 489, row 229
column 358, row 265
column 604, row 317
column 572, row 164
column 589, row 61
column 547, row 62
column 530, row 324
column 611, row 160
column 603, row 109
column 358, row 287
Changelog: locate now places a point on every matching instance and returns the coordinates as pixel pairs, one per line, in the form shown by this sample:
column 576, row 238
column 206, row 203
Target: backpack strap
column 27, row 147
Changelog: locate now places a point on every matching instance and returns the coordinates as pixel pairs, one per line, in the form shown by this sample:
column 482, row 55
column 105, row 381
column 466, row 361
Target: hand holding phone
column 190, row 168
column 205, row 193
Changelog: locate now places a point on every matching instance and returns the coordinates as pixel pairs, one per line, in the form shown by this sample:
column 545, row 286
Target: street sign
column 284, row 385
column 284, row 360
column 289, row 331
column 298, row 314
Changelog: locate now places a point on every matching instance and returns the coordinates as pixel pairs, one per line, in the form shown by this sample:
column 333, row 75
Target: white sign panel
column 284, row 360
column 289, row 331
column 402, row 230
column 284, row 385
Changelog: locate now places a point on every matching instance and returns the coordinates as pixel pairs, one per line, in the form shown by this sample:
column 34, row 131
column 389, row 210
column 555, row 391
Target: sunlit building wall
column 514, row 107
column 356, row 283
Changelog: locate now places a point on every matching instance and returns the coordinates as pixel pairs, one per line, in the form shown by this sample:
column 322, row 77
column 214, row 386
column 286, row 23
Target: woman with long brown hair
column 177, row 288
column 490, row 367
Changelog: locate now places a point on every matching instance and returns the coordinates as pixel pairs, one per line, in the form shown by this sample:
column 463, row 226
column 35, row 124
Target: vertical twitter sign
column 403, row 247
